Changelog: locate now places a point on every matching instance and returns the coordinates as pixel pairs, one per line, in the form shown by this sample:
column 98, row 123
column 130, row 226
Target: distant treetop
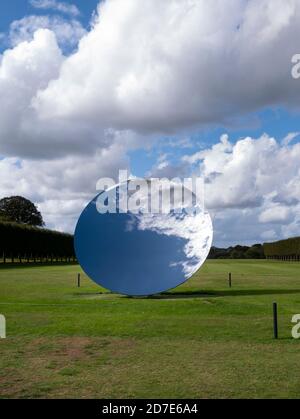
column 20, row 210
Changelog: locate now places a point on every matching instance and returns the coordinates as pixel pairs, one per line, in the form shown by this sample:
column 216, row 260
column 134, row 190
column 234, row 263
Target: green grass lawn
column 203, row 340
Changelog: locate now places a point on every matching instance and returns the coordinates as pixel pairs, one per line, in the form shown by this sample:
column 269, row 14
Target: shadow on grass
column 216, row 294
column 169, row 295
column 90, row 294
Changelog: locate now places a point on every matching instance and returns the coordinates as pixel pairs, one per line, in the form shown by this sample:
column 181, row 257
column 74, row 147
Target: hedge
column 33, row 243
column 284, row 249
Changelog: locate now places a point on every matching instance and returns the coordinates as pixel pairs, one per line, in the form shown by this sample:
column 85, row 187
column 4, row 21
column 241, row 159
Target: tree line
column 23, row 239
column 283, row 250
column 238, row 252
column 23, row 243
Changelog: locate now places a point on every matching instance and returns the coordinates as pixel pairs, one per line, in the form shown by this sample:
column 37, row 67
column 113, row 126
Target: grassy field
column 203, row 340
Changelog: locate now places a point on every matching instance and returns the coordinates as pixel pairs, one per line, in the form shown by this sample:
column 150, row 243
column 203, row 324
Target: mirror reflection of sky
column 141, row 254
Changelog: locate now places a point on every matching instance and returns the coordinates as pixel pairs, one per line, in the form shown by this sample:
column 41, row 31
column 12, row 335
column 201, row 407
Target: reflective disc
column 141, row 253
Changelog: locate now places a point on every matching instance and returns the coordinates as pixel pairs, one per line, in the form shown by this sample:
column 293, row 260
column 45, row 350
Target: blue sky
column 17, row 9
column 153, row 88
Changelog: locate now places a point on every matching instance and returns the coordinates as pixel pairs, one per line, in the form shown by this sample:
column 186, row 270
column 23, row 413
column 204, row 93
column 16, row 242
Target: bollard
column 275, row 320
column 78, row 280
column 230, row 280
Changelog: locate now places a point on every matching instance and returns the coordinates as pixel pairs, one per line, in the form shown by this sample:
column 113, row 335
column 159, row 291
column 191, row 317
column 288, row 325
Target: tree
column 20, row 210
column 255, row 252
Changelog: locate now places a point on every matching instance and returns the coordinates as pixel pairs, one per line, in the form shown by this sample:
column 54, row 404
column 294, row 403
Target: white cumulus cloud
column 151, row 67
column 163, row 65
column 251, row 186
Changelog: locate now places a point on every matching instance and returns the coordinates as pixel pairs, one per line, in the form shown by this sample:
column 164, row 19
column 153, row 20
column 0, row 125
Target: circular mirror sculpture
column 139, row 252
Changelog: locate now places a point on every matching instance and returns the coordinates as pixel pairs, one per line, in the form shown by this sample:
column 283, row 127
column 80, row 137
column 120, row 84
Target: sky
column 160, row 88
